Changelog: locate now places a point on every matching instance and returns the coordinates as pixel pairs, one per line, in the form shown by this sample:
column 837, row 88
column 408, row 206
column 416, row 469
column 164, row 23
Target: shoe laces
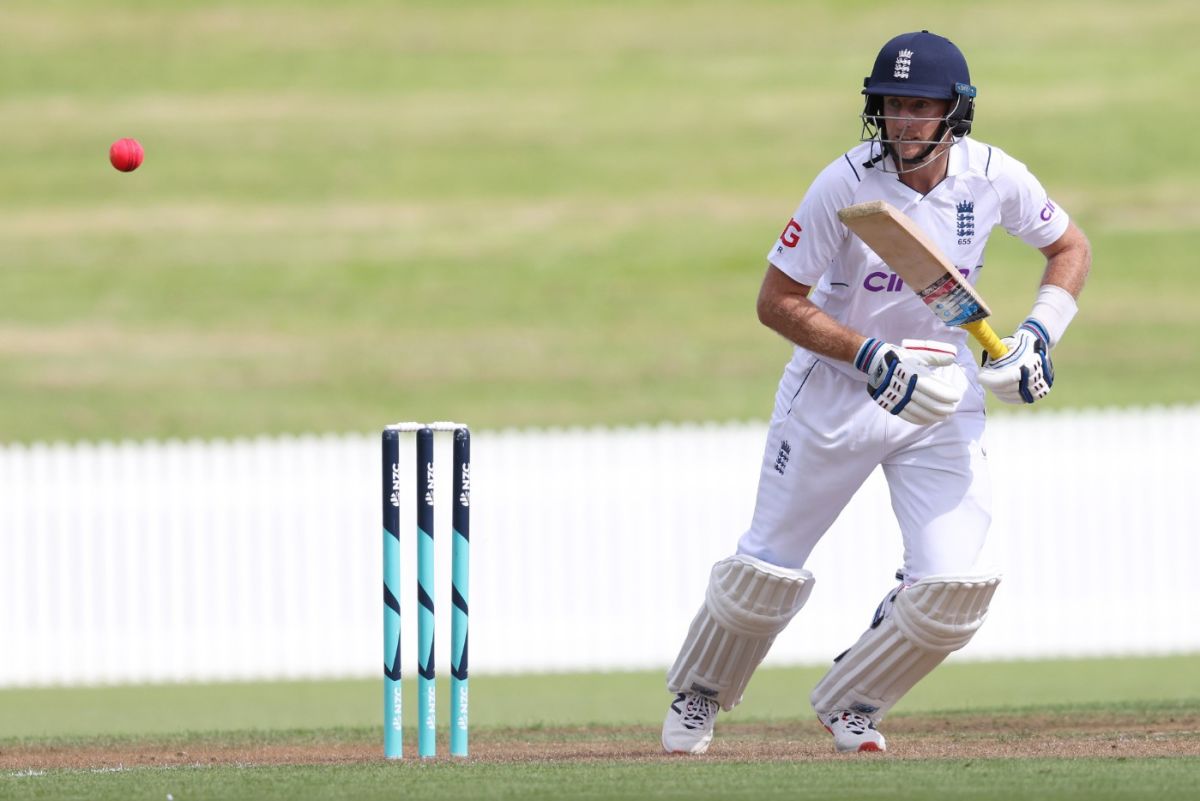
column 697, row 710
column 855, row 722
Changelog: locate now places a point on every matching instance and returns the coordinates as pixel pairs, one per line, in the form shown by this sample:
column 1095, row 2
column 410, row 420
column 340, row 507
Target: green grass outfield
column 1001, row 780
column 621, row 710
column 624, row 698
column 524, row 213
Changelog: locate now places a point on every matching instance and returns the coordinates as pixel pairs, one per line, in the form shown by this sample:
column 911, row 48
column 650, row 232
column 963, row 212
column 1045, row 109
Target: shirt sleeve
column 813, row 235
column 1026, row 211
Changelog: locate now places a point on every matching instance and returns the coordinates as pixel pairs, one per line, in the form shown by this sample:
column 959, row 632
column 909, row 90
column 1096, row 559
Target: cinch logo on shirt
column 880, row 281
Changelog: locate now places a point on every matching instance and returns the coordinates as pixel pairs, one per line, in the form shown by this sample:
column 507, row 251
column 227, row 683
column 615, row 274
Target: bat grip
column 986, row 337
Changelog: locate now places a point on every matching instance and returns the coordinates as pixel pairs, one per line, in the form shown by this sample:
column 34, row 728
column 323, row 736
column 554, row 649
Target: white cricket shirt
column 984, row 188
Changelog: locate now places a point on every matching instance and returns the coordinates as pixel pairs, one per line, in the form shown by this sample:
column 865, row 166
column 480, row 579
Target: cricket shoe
column 853, row 732
column 688, row 728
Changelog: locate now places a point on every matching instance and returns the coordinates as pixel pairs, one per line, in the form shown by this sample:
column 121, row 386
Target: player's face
column 911, row 123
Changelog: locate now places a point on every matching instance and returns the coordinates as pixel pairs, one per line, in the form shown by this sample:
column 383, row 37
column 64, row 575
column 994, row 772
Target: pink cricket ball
column 126, row 154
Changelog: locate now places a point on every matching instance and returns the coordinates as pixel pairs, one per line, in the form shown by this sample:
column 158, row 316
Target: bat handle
column 986, row 337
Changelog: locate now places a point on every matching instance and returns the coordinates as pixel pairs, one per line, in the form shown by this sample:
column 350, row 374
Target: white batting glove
column 1025, row 374
column 902, row 379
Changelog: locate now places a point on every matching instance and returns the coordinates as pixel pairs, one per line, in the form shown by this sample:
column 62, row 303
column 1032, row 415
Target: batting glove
column 902, row 379
column 1024, row 374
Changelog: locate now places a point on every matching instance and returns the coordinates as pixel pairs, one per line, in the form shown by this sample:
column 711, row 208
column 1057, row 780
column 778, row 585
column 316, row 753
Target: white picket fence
column 135, row 562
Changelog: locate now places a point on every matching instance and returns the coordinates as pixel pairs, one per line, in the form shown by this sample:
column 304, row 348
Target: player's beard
column 883, row 151
column 924, row 151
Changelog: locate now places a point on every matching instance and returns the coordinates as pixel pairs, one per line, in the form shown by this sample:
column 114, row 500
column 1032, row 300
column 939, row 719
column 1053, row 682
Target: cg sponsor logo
column 791, row 234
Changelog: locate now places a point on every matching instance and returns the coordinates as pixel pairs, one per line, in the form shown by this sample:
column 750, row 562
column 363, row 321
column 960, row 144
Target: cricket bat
column 914, row 257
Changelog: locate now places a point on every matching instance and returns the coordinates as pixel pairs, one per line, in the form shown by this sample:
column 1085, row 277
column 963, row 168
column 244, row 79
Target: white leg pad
column 924, row 624
column 747, row 604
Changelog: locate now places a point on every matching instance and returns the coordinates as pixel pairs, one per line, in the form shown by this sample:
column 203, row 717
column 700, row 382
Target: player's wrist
column 867, row 352
column 1034, row 327
column 1052, row 312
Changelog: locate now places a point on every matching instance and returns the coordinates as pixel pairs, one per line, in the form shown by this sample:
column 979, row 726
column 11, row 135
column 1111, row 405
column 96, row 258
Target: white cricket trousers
column 825, row 438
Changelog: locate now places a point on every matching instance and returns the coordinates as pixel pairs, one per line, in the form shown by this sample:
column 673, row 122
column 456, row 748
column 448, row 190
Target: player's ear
column 872, row 110
column 962, row 112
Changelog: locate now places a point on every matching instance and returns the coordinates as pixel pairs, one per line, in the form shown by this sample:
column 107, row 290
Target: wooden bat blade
column 920, row 263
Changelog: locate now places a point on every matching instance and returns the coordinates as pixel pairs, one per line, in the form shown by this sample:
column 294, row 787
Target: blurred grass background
column 524, row 213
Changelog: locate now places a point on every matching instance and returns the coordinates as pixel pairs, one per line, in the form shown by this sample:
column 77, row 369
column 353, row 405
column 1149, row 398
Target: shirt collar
column 957, row 158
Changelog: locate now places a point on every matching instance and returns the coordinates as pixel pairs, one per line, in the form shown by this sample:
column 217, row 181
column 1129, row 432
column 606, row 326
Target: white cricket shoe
column 688, row 728
column 853, row 732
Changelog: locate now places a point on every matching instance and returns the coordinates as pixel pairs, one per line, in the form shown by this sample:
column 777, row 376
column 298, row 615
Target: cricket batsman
column 875, row 379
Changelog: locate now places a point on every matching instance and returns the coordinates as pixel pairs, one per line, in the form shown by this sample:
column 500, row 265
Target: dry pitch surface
column 957, row 736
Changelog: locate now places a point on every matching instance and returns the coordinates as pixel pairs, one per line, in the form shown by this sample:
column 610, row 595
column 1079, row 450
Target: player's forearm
column 784, row 308
column 1068, row 261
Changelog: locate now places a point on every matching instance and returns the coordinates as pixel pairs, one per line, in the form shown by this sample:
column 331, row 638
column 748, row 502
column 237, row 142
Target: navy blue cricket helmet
column 922, row 64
